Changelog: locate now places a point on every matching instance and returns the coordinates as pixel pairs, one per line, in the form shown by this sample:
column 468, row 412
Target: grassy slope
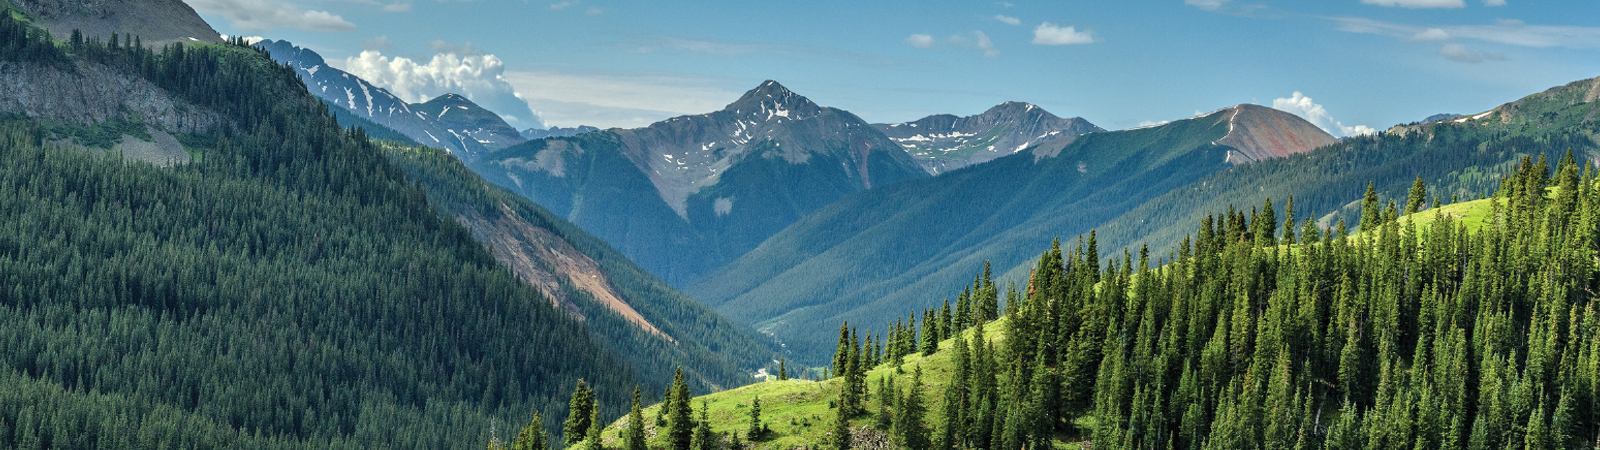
column 799, row 412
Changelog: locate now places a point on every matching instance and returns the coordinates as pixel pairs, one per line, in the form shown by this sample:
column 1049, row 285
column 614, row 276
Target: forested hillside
column 289, row 288
column 1259, row 331
column 869, row 256
column 1460, row 159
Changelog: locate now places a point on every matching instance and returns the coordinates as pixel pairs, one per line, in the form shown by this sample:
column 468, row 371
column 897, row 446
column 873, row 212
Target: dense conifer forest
column 291, row 288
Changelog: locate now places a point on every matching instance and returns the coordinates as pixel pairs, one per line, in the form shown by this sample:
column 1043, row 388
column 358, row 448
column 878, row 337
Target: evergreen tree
column 755, row 431
column 704, row 439
column 579, row 412
column 680, row 420
column 532, row 436
column 783, row 370
column 910, row 429
column 633, row 438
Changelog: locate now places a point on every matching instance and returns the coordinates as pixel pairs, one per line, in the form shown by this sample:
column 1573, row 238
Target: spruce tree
column 680, row 420
column 839, row 438
column 532, row 436
column 592, row 438
column 910, row 428
column 704, row 439
column 754, row 433
column 634, row 438
column 579, row 411
column 1417, row 197
column 783, row 370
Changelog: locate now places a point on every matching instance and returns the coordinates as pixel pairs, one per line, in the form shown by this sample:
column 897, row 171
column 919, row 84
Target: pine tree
column 704, row 439
column 840, row 436
column 592, row 439
column 1371, row 216
column 579, row 411
column 634, row 438
column 754, row 433
column 783, row 370
column 532, row 436
column 680, row 420
column 1418, row 195
column 910, row 429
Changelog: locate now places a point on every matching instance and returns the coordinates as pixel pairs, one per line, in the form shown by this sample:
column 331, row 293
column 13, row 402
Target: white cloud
column 1432, row 34
column 594, row 11
column 1509, row 32
column 1417, row 4
column 380, row 43
column 1208, row 5
column 1049, row 34
column 1301, row 105
column 986, row 45
column 1008, row 20
column 562, row 5
column 920, row 41
column 463, row 70
column 1459, row 53
column 978, row 41
column 618, row 100
column 265, row 15
column 397, row 7
column 1494, row 2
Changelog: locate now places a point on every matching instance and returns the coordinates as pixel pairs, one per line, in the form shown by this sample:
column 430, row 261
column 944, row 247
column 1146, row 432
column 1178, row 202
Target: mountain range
column 686, row 194
column 871, row 256
column 944, row 142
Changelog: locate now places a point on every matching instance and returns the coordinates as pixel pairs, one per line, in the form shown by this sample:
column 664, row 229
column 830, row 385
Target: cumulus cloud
column 461, row 70
column 920, row 41
column 1049, row 34
column 562, row 5
column 1494, row 2
column 1417, row 4
column 1301, row 105
column 265, row 15
column 1008, row 20
column 397, row 7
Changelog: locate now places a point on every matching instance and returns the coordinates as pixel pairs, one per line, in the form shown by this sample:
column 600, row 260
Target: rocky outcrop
column 92, row 94
column 941, row 143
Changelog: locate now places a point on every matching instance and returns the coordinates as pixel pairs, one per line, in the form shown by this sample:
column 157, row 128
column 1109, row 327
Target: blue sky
column 1119, row 64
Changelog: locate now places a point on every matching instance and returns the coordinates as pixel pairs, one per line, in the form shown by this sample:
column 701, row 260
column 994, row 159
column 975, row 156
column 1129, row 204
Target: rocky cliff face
column 941, row 143
column 92, row 94
column 155, row 22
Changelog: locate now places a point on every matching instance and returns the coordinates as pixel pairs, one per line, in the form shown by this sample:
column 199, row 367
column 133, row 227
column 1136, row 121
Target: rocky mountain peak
column 1258, row 132
column 770, row 101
